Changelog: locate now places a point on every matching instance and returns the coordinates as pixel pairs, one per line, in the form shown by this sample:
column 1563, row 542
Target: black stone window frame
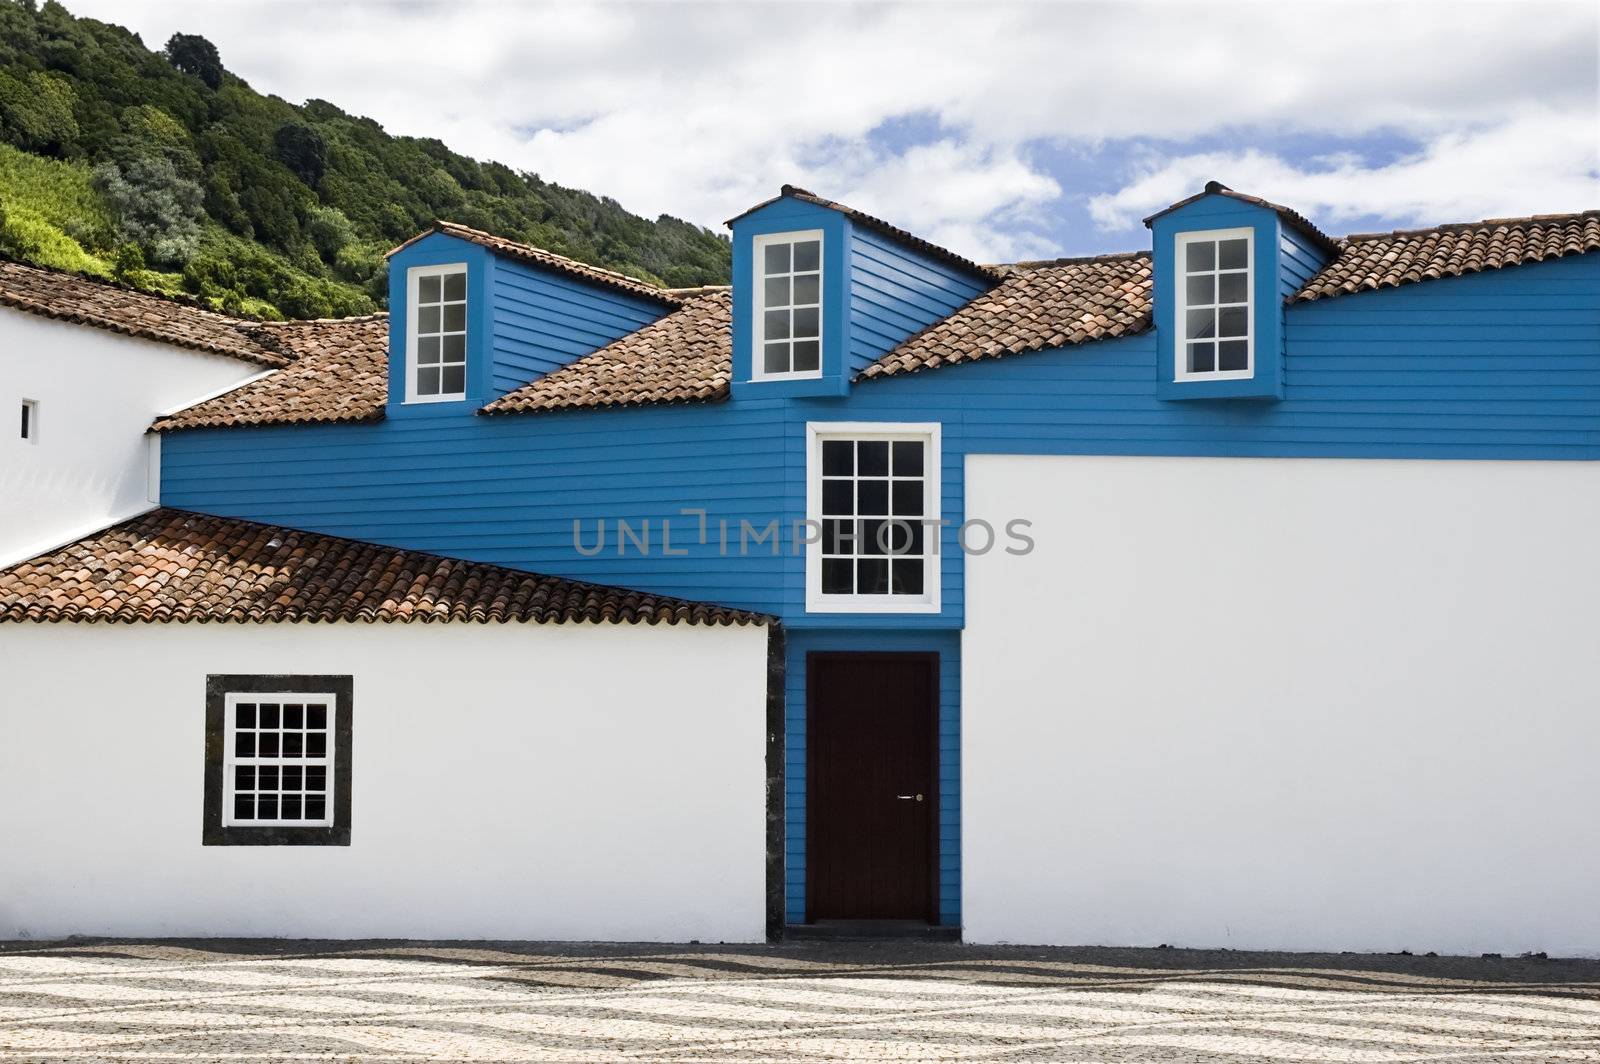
column 218, row 688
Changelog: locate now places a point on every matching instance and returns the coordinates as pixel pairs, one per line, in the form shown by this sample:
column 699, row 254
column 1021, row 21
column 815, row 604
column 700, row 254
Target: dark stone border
column 218, row 687
column 776, row 649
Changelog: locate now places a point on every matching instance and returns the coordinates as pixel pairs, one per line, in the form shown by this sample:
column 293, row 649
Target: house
column 75, row 402
column 1236, row 591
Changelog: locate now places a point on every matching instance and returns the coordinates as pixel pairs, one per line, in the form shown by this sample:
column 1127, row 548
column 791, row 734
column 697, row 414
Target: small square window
column 278, row 760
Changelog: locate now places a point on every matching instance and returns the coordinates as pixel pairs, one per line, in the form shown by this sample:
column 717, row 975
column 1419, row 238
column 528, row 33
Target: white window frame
column 30, row 407
column 928, row 434
column 1180, row 353
column 230, row 760
column 758, row 301
column 414, row 278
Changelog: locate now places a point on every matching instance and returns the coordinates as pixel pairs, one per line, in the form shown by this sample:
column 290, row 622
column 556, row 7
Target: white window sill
column 869, row 604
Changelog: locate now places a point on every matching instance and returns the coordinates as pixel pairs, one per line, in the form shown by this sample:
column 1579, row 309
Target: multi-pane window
column 278, row 758
column 875, row 499
column 280, row 753
column 1214, row 303
column 789, row 305
column 438, row 362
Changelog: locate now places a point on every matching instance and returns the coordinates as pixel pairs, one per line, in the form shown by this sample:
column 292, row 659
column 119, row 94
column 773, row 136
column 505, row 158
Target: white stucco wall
column 1285, row 704
column 510, row 781
column 98, row 391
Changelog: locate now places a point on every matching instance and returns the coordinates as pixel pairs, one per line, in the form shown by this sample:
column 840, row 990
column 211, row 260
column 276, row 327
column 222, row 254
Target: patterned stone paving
column 165, row 1001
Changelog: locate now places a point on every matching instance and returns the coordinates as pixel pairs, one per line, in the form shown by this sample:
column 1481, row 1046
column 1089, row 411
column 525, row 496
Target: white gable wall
column 98, row 391
column 1284, row 704
column 510, row 781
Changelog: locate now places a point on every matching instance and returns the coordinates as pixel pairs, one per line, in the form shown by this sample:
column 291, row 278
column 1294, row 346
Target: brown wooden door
column 871, row 786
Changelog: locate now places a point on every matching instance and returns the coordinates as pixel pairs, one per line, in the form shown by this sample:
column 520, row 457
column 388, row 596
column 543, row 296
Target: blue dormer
column 821, row 290
column 1224, row 264
column 474, row 316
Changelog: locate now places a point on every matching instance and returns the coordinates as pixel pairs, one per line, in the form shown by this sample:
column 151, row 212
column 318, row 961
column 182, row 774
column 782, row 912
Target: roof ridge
column 1443, row 227
column 1073, row 260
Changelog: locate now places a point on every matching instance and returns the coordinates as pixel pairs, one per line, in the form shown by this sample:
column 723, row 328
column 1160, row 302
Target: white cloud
column 700, row 110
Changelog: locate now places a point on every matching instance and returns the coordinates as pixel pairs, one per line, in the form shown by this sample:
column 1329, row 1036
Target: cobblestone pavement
column 160, row 1001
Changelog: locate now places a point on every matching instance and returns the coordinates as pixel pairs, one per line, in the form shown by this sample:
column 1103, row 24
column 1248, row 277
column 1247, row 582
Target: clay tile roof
column 1036, row 305
column 877, row 225
column 340, row 373
column 69, row 297
column 172, row 565
column 549, row 260
column 1370, row 261
column 1293, row 217
column 687, row 356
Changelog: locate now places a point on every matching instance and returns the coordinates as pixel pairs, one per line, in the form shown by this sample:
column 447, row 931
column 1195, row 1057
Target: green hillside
column 165, row 171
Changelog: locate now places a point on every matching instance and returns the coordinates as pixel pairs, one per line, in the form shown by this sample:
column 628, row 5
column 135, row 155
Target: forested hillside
column 167, row 172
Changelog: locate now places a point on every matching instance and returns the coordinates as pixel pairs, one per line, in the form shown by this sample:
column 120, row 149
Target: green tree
column 154, row 207
column 303, row 151
column 194, row 55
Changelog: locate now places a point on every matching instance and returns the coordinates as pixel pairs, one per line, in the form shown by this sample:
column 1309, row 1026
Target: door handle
column 909, row 797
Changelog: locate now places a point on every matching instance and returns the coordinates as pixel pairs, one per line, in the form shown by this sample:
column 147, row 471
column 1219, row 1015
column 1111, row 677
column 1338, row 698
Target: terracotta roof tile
column 340, row 374
column 1037, row 305
column 549, row 260
column 1293, row 217
column 69, row 297
column 685, row 357
column 171, row 565
column 1370, row 261
column 877, row 225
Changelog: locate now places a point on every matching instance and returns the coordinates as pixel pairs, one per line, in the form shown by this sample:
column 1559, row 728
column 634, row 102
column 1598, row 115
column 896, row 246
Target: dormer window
column 788, row 306
column 436, row 345
column 1215, row 296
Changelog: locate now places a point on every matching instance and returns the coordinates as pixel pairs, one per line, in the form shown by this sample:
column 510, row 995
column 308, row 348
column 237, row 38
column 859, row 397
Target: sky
column 1004, row 131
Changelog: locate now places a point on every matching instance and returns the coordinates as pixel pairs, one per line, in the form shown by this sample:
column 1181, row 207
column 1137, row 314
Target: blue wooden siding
column 542, row 321
column 896, row 293
column 948, row 646
column 1298, row 260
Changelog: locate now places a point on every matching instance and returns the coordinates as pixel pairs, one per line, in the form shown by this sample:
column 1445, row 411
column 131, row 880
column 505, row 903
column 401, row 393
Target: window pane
column 454, row 381
column 872, row 576
column 908, row 576
column 908, row 498
column 455, row 317
column 427, row 320
column 244, row 744
column 837, row 576
column 269, row 716
column 428, row 289
column 244, row 778
column 427, row 382
column 907, row 458
column 244, row 715
column 807, row 355
column 1202, row 358
column 267, row 807
column 897, row 537
column 316, row 808
column 874, row 538
column 777, row 259
column 1233, row 288
column 838, row 458
column 807, row 255
column 806, row 288
column 293, row 744
column 1201, row 290
column 244, row 807
column 455, row 348
column 1234, row 321
column 316, row 777
column 1200, row 324
column 1200, row 255
column 317, row 744
column 837, row 497
column 428, row 351
column 267, row 778
column 291, row 777
column 776, row 326
column 316, row 716
column 776, row 359
column 806, row 322
column 838, row 537
column 294, row 716
column 1233, row 354
column 1232, row 254
column 874, row 458
column 455, row 286
column 777, row 293
column 291, row 807
column 872, row 497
